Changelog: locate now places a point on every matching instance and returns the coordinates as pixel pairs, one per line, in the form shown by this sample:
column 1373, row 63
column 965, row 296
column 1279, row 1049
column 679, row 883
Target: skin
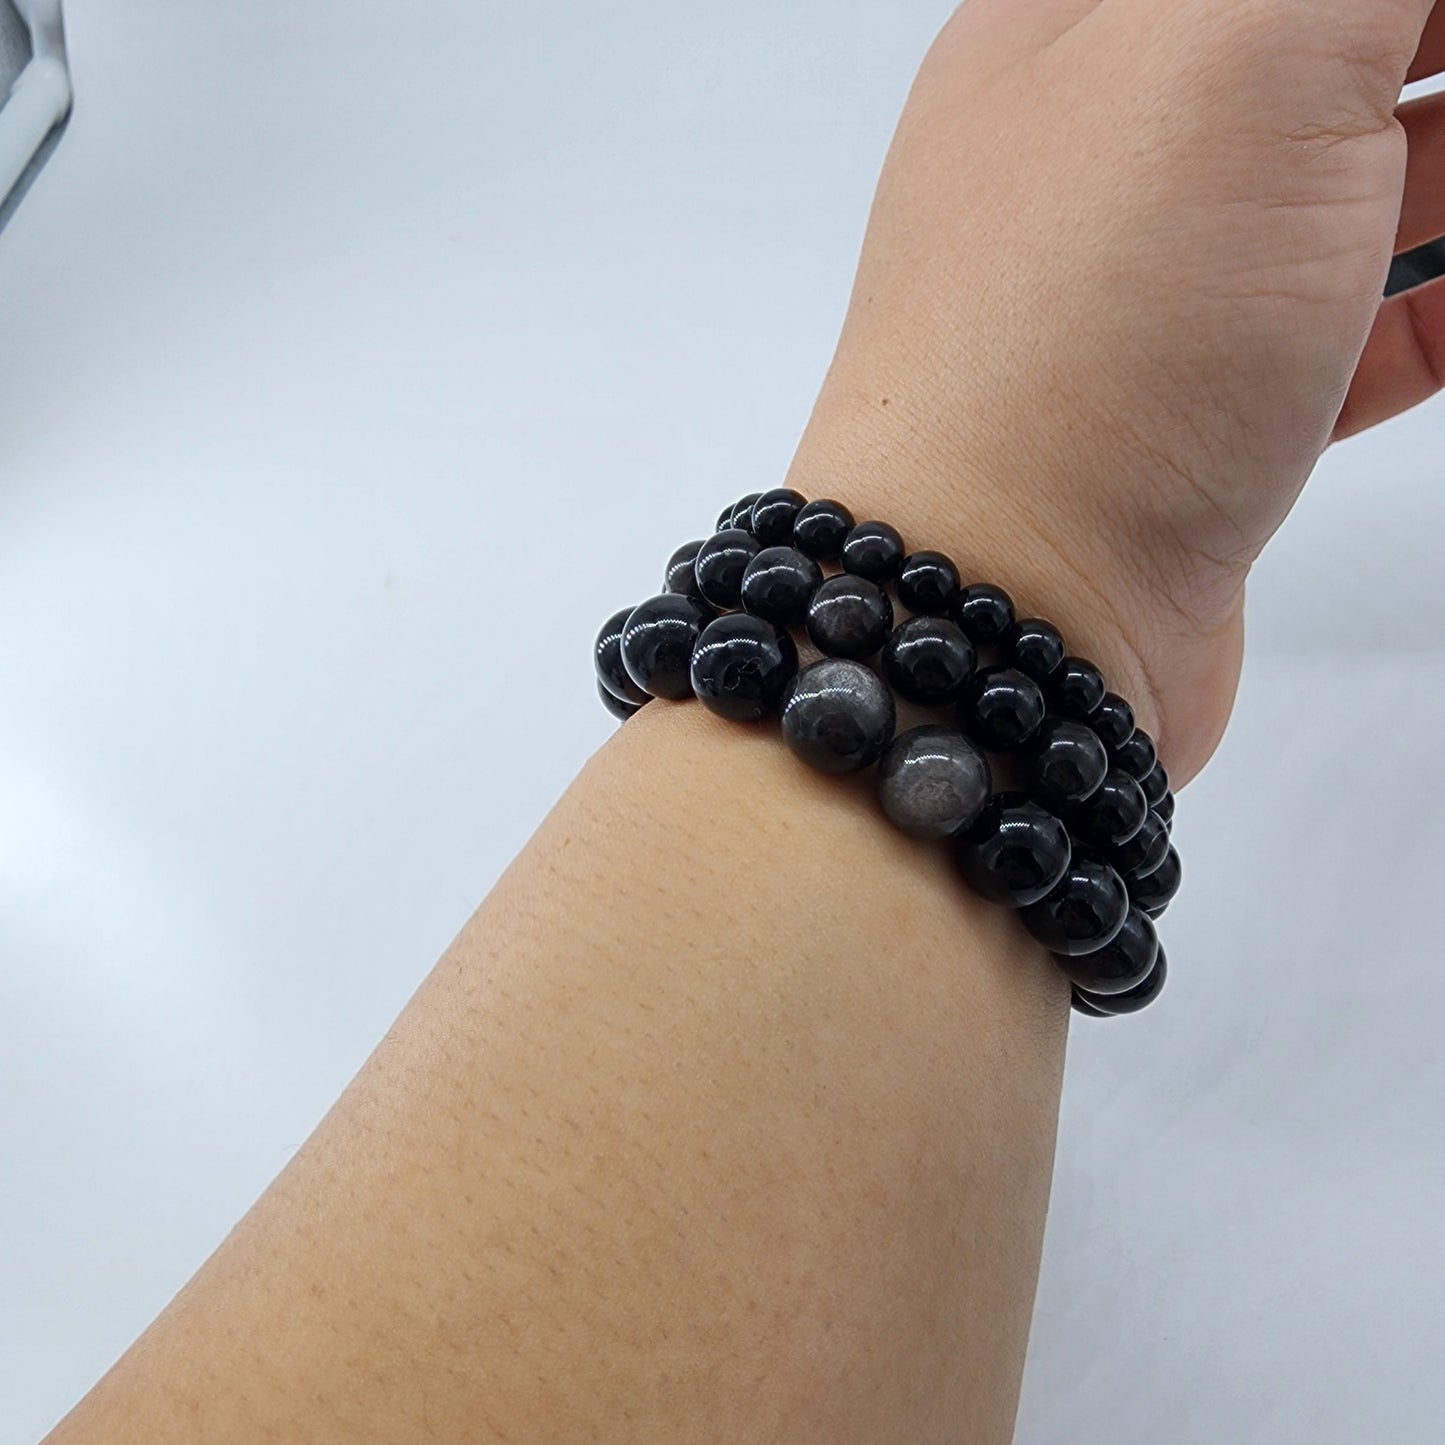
column 730, row 1113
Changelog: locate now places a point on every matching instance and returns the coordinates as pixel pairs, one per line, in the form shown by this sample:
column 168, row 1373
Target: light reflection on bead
column 933, row 781
column 837, row 715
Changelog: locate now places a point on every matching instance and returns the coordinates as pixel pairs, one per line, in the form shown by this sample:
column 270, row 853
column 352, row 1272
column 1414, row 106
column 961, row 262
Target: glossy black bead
column 778, row 585
column 1080, row 1004
column 1165, row 809
column 1113, row 814
column 1123, row 963
column 1035, row 647
column 1002, row 709
column 1064, row 763
column 928, row 660
column 773, row 516
column 1155, row 784
column 1084, row 911
column 1015, row 853
column 1155, row 890
column 927, row 583
column 1113, row 720
column 607, row 656
column 725, row 517
column 873, row 550
column 1132, row 1000
column 721, row 562
column 615, row 705
column 849, row 617
column 1077, row 688
column 740, row 666
column 1136, row 754
column 820, row 528
column 932, row 781
column 1144, row 852
column 742, row 513
column 657, row 642
column 838, row 715
column 681, row 573
column 985, row 613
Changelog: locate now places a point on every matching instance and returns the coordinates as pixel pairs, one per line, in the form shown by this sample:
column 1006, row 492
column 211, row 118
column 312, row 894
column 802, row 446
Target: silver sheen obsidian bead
column 779, row 584
column 928, row 660
column 933, row 781
column 849, row 617
column 838, row 715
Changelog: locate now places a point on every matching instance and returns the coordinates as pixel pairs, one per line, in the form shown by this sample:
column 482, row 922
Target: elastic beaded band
column 1079, row 844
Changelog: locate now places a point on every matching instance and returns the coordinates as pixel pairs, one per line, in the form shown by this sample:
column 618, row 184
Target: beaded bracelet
column 1079, row 845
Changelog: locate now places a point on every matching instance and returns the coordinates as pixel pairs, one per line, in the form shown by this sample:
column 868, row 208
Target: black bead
column 1080, row 1004
column 741, row 665
column 1155, row 890
column 932, row 781
column 615, row 705
column 1035, row 647
column 1165, row 809
column 725, row 517
column 1113, row 721
column 838, row 716
column 681, row 574
column 721, row 562
column 657, row 642
column 1123, row 963
column 1077, row 688
column 849, row 617
column 1155, row 784
column 873, row 550
column 1084, row 911
column 778, row 585
column 1015, row 852
column 928, row 660
column 1132, row 1000
column 1002, row 709
column 773, row 516
column 1136, row 754
column 820, row 529
column 1113, row 815
column 607, row 655
column 1065, row 763
column 1144, row 852
column 742, row 513
column 985, row 613
column 927, row 583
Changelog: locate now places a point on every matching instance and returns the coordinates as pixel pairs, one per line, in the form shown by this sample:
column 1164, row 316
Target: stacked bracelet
column 1079, row 844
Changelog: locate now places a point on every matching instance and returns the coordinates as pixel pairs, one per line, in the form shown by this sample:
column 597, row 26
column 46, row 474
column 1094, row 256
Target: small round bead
column 657, row 642
column 607, row 655
column 928, row 660
column 725, row 517
column 741, row 665
column 838, row 716
column 1083, row 912
column 773, row 516
column 1035, row 647
column 985, row 613
column 1165, row 809
column 820, row 529
column 742, row 513
column 1065, row 764
column 1155, row 890
column 1077, row 688
column 1132, row 1000
column 873, row 550
column 1136, row 754
column 1140, row 855
column 849, row 617
column 932, row 781
column 1015, row 852
column 1123, row 963
column 778, row 585
column 1155, row 784
column 721, row 562
column 1002, row 709
column 681, row 573
column 615, row 705
column 1112, row 815
column 1080, row 1004
column 927, row 583
column 1113, row 720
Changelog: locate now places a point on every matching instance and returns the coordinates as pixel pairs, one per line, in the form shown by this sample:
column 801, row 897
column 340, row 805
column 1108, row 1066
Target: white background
column 349, row 354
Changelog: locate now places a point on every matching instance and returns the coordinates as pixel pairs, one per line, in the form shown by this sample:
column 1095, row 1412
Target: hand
column 1121, row 287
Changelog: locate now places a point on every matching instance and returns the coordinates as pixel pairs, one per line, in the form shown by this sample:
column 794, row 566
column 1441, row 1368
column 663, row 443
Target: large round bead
column 615, row 705
column 1155, row 890
column 1131, row 1000
column 1035, row 647
column 1015, row 852
column 928, row 660
column 820, row 528
column 740, row 666
column 1113, row 814
column 1065, row 763
column 657, row 642
column 927, row 583
column 873, row 550
column 721, row 562
column 1077, row 688
column 1084, row 911
column 838, row 715
column 607, row 656
column 1123, row 963
column 681, row 573
column 1141, row 854
column 932, row 781
column 985, row 613
column 773, row 515
column 849, row 617
column 1136, row 754
column 1002, row 708
column 778, row 585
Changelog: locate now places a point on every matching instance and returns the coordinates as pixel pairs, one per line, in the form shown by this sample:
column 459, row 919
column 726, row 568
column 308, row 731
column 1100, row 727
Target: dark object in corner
column 1416, row 267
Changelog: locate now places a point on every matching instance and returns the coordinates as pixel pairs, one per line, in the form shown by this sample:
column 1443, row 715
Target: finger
column 1430, row 58
column 1422, row 212
column 1403, row 362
